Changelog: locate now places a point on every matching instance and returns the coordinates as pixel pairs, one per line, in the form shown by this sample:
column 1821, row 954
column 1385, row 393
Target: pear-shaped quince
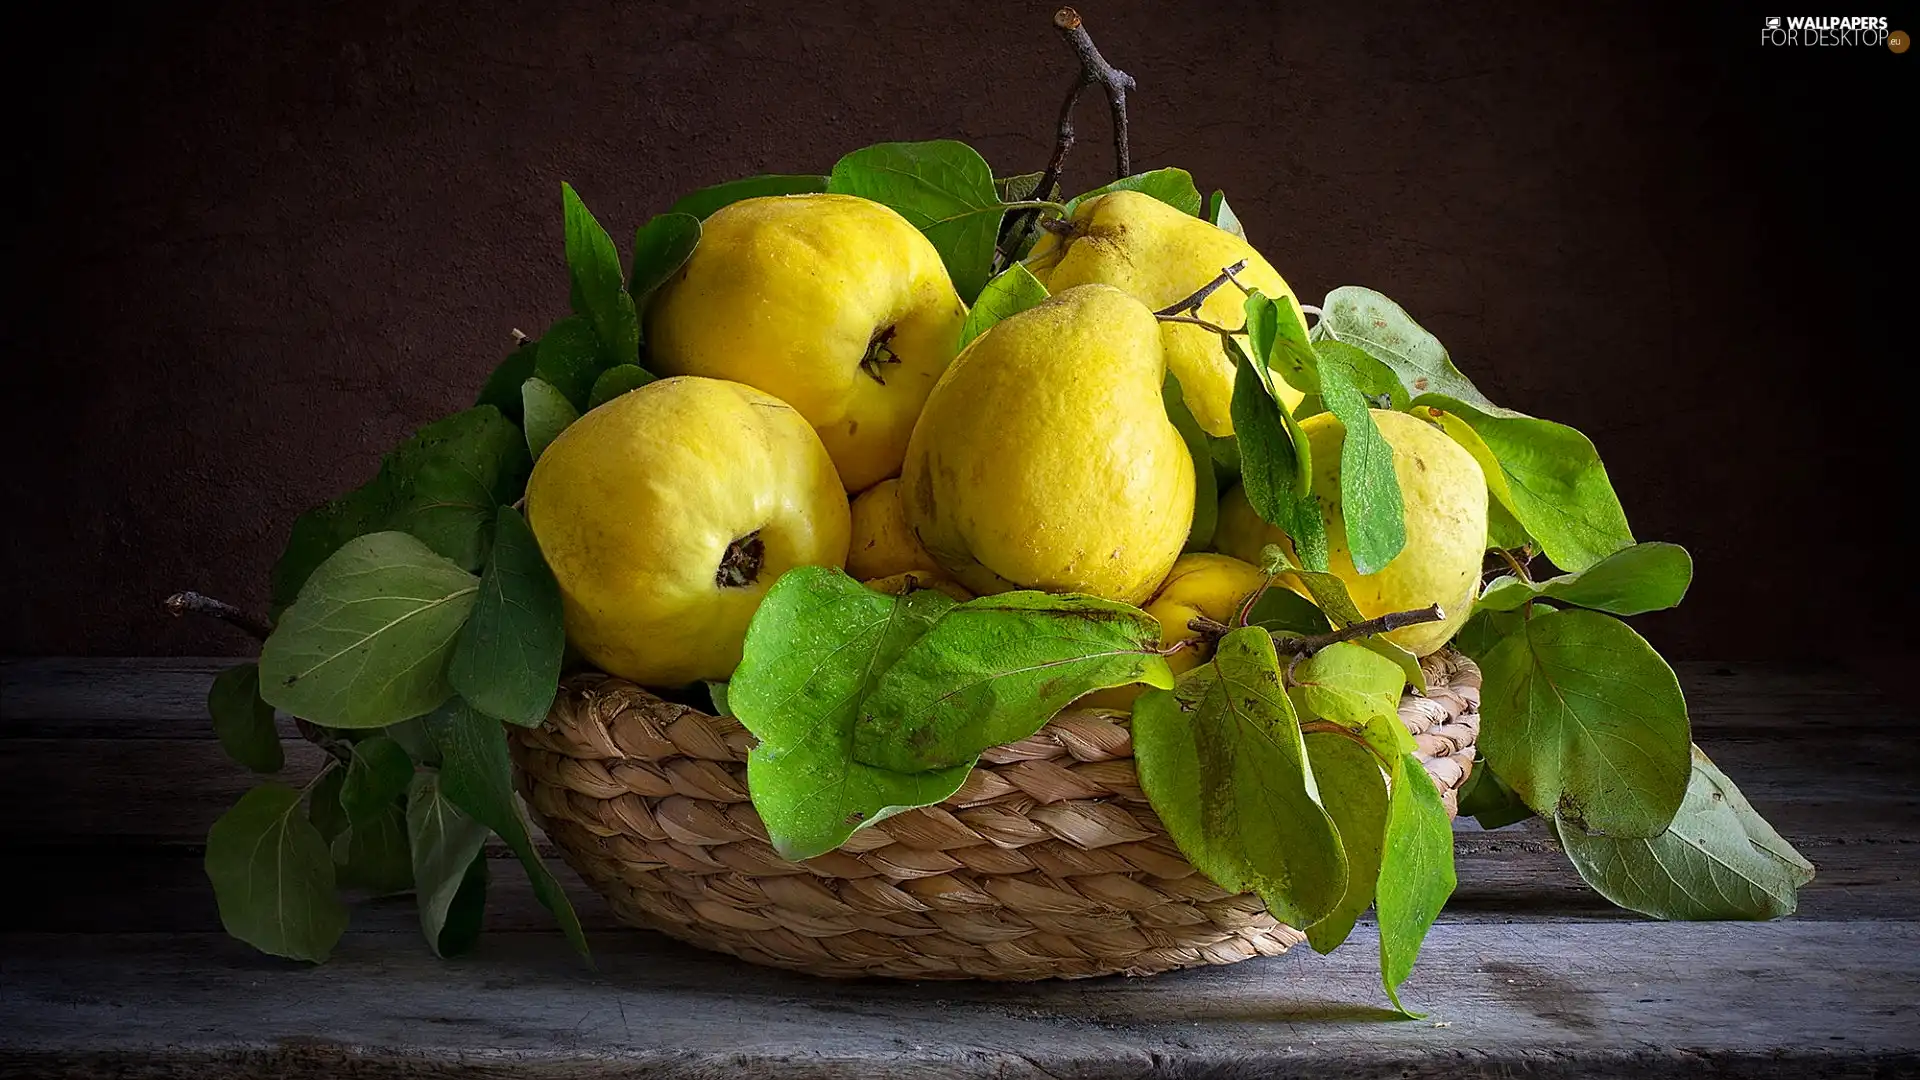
column 831, row 303
column 1444, row 494
column 1045, row 460
column 667, row 513
column 1160, row 256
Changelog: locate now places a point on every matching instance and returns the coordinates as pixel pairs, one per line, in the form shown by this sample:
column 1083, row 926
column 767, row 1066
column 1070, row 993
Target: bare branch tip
column 1066, row 19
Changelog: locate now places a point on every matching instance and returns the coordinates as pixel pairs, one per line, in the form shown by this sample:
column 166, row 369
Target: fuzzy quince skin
column 667, row 513
column 1045, row 460
column 1159, row 256
column 1444, row 494
column 832, row 303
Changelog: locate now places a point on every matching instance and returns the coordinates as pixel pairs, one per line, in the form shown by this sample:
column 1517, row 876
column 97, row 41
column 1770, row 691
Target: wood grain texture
column 114, row 965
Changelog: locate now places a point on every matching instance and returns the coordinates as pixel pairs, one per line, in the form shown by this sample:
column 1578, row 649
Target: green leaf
column 323, row 530
column 944, row 188
column 449, row 478
column 660, row 249
column 1547, row 475
column 1358, row 689
column 323, row 803
column 1171, row 186
column 413, row 737
column 1008, row 294
column 1719, row 859
column 366, row 644
column 1019, row 188
column 1409, row 664
column 1276, row 336
column 1634, row 580
column 506, row 660
column 446, row 851
column 1582, row 718
column 1276, row 464
column 1487, row 799
column 273, row 877
column 1485, row 629
column 1328, row 591
column 568, row 358
column 1353, row 788
column 1416, row 872
column 502, row 388
column 993, row 670
column 1223, row 216
column 548, row 413
column 476, row 775
column 1282, row 611
column 1369, row 488
column 1383, row 330
column 615, row 381
column 242, row 722
column 372, row 853
column 376, row 777
column 702, row 203
column 1375, row 380
column 1206, row 486
column 599, row 286
column 814, row 651
column 717, row 692
column 1222, row 760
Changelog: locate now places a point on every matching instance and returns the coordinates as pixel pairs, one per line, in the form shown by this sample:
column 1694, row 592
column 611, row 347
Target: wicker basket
column 1047, row 863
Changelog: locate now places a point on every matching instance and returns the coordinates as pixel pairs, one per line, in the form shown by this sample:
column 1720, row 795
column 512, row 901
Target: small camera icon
column 1773, row 23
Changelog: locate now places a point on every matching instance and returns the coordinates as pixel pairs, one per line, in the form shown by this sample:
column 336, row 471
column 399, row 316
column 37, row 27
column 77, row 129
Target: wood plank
column 1647, row 1000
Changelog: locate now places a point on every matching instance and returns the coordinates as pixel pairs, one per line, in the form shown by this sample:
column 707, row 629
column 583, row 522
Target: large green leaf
column 992, row 670
column 568, row 358
column 944, row 188
column 1354, row 790
column 379, row 772
column 273, row 877
column 1358, row 689
column 445, row 845
column 599, row 284
column 547, row 412
column 1370, row 503
column 702, row 203
column 1223, row 762
column 1009, row 293
column 1206, row 486
column 660, row 248
column 1719, row 859
column 476, row 775
column 814, row 651
column 1381, row 328
column 1547, row 475
column 506, row 660
column 1416, row 872
column 242, row 721
column 1276, row 464
column 366, row 644
column 1634, row 580
column 372, row 854
column 1174, row 187
column 1583, row 719
column 451, row 476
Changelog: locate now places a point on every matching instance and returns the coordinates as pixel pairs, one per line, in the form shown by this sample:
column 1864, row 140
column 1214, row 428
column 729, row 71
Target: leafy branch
column 1313, row 643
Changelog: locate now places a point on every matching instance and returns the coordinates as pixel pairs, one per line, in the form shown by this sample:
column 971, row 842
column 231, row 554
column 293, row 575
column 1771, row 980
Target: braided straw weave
column 1047, row 863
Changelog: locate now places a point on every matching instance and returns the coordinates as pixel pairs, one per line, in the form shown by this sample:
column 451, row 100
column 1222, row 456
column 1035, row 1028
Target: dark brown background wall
column 259, row 243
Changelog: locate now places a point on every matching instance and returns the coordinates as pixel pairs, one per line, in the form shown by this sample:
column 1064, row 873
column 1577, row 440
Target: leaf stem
column 1519, row 568
column 1037, row 204
column 185, row 603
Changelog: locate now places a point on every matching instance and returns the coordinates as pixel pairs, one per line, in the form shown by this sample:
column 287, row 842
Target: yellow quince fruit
column 1444, row 494
column 1045, row 460
column 1160, row 256
column 883, row 543
column 667, row 513
column 831, row 303
column 1202, row 583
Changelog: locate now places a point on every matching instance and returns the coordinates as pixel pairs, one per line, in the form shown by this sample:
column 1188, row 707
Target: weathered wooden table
column 114, row 963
